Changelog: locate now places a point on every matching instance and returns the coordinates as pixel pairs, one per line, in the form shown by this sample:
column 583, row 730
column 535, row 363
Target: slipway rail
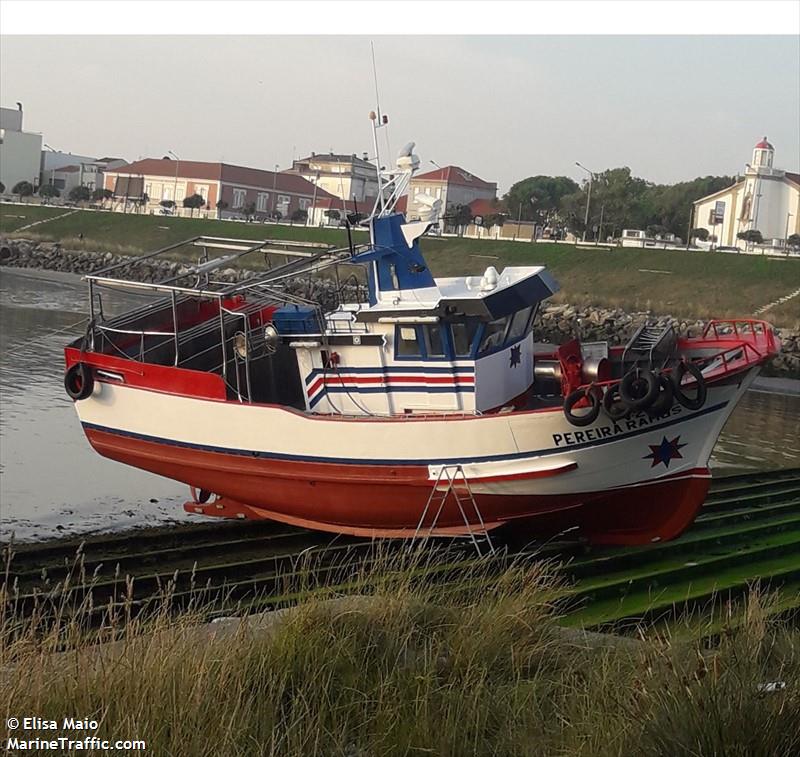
column 748, row 531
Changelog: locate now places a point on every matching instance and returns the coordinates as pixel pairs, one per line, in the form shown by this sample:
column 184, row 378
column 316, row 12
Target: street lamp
column 588, row 199
column 53, row 169
column 175, row 189
column 274, row 184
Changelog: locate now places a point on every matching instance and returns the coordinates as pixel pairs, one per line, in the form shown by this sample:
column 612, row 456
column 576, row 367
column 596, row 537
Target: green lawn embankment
column 685, row 284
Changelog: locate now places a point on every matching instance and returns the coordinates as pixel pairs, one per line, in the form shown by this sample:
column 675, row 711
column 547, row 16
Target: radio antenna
column 375, row 79
column 378, row 120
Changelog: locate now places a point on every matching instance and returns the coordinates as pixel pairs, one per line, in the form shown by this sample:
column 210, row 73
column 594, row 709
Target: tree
column 167, row 204
column 2, row 188
column 532, row 198
column 492, row 219
column 751, row 236
column 79, row 194
column 671, row 204
column 276, row 214
column 221, row 205
column 22, row 189
column 100, row 194
column 194, row 201
column 458, row 217
column 701, row 234
column 300, row 215
column 48, row 191
column 793, row 241
column 333, row 214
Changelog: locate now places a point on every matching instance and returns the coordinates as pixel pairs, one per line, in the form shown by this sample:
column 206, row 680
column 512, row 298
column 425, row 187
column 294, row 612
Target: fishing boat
column 409, row 405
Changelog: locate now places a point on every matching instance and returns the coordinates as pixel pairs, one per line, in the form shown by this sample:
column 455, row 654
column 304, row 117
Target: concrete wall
column 11, row 118
column 20, row 154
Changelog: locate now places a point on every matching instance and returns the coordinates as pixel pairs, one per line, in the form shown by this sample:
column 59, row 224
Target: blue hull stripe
column 405, row 461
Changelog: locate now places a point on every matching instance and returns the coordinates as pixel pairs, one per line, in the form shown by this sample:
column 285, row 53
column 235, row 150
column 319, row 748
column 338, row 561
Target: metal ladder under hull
column 446, row 485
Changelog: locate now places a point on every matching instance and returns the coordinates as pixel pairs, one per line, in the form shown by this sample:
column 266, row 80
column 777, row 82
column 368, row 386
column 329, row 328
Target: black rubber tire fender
column 614, row 405
column 79, row 381
column 576, row 396
column 665, row 399
column 639, row 389
column 690, row 403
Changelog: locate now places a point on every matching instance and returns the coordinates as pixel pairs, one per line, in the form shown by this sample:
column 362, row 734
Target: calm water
column 52, row 482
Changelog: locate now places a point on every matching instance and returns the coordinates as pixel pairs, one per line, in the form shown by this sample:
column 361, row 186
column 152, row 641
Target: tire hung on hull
column 639, row 389
column 665, row 397
column 614, row 405
column 79, row 381
column 593, row 395
column 689, row 402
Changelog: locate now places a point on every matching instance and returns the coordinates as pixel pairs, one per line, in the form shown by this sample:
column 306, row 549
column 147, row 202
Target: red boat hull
column 379, row 500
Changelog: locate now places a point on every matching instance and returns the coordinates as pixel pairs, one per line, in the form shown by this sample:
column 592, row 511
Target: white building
column 344, row 176
column 452, row 185
column 20, row 151
column 66, row 171
column 765, row 199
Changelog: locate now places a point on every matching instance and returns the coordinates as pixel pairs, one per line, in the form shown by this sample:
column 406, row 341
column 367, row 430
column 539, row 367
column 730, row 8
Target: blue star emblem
column 516, row 356
column 664, row 452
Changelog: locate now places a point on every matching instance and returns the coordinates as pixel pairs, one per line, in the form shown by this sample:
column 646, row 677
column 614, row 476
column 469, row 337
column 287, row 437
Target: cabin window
column 464, row 336
column 406, row 342
column 519, row 324
column 434, row 343
column 493, row 335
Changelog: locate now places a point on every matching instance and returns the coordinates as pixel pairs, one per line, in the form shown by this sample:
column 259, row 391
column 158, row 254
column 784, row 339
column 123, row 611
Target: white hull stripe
column 533, row 454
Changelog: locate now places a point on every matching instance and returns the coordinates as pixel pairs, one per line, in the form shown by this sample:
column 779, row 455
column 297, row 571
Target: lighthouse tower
column 763, row 153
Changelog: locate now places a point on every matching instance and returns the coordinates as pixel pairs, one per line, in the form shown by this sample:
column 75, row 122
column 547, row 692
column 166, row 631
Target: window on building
column 262, row 203
column 167, row 192
column 239, row 196
column 406, row 342
column 305, row 203
column 464, row 335
column 493, row 335
column 202, row 190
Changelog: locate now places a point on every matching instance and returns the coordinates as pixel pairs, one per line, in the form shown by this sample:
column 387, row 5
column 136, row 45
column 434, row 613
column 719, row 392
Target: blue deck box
column 296, row 319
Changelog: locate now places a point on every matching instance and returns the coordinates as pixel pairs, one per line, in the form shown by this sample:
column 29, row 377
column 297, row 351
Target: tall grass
column 406, row 664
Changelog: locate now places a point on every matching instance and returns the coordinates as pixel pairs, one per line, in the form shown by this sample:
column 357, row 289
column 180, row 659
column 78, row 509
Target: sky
column 671, row 108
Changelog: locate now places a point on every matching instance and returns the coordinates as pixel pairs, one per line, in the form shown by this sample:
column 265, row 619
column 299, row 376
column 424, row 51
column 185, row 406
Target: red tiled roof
column 795, row 177
column 483, row 208
column 224, row 172
column 456, row 175
column 187, row 169
column 67, row 169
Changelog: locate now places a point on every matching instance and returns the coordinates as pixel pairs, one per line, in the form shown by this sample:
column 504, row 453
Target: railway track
column 749, row 530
